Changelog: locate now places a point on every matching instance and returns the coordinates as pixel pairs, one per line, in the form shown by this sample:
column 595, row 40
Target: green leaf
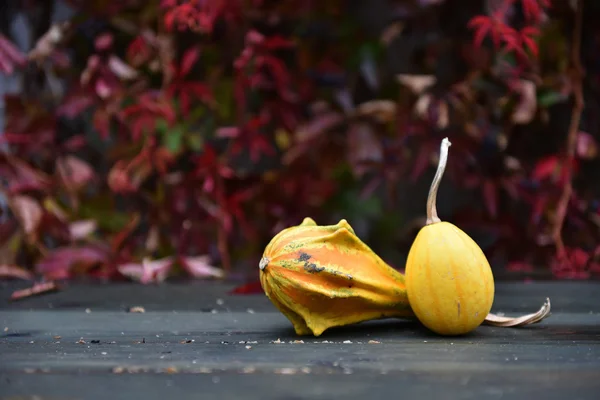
column 508, row 58
column 161, row 126
column 224, row 98
column 350, row 204
column 102, row 210
column 549, row 98
column 173, row 139
column 197, row 113
column 195, row 141
column 211, row 55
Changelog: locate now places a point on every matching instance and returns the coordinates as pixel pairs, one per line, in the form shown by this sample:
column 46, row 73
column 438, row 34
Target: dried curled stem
column 432, row 217
column 506, row 322
column 263, row 263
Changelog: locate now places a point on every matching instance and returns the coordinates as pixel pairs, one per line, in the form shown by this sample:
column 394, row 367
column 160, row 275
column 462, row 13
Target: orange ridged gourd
column 321, row 277
column 449, row 280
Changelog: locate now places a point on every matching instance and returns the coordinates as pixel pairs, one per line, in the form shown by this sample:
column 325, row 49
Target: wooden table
column 195, row 341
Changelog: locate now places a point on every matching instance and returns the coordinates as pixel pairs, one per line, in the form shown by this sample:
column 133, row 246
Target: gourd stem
column 263, row 263
column 432, row 216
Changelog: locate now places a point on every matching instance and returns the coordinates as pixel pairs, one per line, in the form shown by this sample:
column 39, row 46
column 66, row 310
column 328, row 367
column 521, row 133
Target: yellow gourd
column 324, row 276
column 449, row 282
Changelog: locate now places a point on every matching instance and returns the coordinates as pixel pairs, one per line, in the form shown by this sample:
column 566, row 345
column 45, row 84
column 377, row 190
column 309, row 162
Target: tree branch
column 576, row 81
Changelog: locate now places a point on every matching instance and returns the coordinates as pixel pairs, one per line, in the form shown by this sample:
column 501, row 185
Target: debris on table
column 35, row 290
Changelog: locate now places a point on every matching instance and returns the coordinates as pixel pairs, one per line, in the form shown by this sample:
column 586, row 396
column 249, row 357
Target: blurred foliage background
column 153, row 139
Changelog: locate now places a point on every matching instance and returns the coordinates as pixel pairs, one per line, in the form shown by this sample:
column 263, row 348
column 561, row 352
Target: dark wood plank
column 176, row 349
column 203, row 296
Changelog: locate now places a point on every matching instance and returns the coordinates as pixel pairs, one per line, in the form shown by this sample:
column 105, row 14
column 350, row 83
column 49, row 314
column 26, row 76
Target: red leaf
column 199, row 267
column 479, row 36
column 58, row 263
column 239, row 93
column 37, row 289
column 185, row 101
column 248, row 288
column 277, row 42
column 170, row 19
column 511, row 39
column 28, row 211
column 147, row 271
column 23, row 177
column 13, row 271
column 74, row 143
column 571, row 265
column 118, row 178
column 162, row 158
column 587, row 148
column 74, row 172
column 149, row 104
column 232, row 207
column 484, row 25
column 188, row 60
column 75, row 103
column 103, row 88
column 318, row 126
column 228, row 132
column 208, row 167
column 545, row 168
column 519, row 266
column 525, row 110
column 11, row 51
column 511, row 188
column 101, row 122
column 118, row 240
column 15, row 138
column 82, row 229
column 420, row 163
column 478, row 21
column 122, row 70
column 538, row 208
column 579, row 258
column 138, row 51
column 103, row 42
column 90, row 71
column 254, row 38
column 279, row 71
column 363, row 147
column 200, row 90
column 46, row 45
column 531, row 44
column 530, row 31
column 127, row 176
column 144, row 124
column 490, row 194
column 532, row 9
column 10, row 56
